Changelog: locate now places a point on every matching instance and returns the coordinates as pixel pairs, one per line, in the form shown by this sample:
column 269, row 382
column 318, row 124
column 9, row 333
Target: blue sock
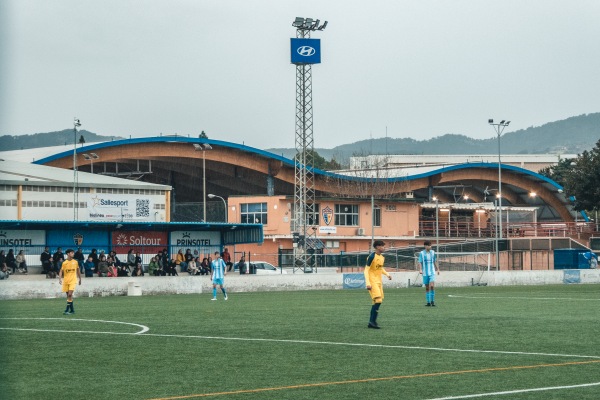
column 214, row 293
column 428, row 296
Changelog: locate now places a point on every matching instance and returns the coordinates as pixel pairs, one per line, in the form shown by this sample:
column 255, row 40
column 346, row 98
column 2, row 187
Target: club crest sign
column 327, row 214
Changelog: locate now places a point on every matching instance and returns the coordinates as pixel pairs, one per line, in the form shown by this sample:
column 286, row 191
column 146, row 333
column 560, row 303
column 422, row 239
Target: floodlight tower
column 304, row 53
column 76, row 124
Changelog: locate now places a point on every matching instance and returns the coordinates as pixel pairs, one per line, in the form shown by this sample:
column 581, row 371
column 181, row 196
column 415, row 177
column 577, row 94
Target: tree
column 320, row 162
column 202, row 135
column 583, row 181
column 81, row 140
column 559, row 171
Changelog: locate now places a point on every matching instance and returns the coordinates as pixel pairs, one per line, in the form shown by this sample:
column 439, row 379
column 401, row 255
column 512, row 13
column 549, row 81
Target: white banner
column 22, row 238
column 119, row 207
column 195, row 239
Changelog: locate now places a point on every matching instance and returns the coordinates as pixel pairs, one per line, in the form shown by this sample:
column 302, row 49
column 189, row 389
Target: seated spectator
column 89, row 267
column 122, row 271
column 138, row 260
column 205, row 267
column 11, row 261
column 153, row 267
column 103, row 267
column 94, row 255
column 192, row 268
column 130, row 259
column 3, row 267
column 180, row 260
column 172, row 268
column 21, row 263
column 189, row 257
column 112, row 271
column 138, row 270
column 46, row 260
column 80, row 258
column 114, row 256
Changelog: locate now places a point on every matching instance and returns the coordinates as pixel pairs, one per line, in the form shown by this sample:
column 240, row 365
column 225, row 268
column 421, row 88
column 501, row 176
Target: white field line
column 520, row 298
column 315, row 342
column 144, row 328
column 543, row 389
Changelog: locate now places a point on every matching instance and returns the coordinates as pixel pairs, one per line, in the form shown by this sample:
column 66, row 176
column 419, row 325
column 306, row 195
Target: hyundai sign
column 306, row 51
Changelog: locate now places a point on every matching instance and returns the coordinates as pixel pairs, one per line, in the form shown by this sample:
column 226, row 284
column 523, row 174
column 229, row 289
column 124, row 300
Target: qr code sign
column 142, row 208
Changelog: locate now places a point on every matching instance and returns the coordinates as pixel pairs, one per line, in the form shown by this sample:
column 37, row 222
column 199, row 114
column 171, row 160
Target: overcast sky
column 420, row 68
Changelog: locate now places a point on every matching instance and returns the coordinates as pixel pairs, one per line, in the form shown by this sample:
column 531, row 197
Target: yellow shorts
column 376, row 291
column 67, row 287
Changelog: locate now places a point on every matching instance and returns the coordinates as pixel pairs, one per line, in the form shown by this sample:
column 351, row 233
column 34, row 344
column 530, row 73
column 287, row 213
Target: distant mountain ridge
column 569, row 136
column 47, row 139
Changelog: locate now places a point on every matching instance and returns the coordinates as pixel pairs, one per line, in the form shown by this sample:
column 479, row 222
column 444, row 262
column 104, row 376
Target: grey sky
column 422, row 68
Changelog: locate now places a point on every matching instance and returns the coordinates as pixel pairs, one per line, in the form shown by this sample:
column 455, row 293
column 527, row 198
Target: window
column 309, row 218
column 253, row 213
column 377, row 216
column 390, row 207
column 332, row 244
column 346, row 214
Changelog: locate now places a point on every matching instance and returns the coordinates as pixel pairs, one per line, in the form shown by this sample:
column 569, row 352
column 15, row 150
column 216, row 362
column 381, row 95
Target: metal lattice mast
column 304, row 217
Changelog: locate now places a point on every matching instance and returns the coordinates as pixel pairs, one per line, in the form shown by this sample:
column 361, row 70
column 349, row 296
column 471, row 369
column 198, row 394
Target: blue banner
column 306, row 51
column 571, row 276
column 87, row 240
column 354, row 281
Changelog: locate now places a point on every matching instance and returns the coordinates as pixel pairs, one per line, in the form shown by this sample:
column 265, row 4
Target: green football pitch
column 526, row 342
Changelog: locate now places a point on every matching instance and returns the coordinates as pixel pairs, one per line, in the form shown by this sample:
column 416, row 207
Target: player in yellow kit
column 68, row 276
column 373, row 272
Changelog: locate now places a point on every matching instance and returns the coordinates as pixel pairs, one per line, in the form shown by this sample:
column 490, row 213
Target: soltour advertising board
column 146, row 242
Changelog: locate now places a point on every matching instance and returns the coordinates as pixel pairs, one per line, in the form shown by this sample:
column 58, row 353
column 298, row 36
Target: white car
column 265, row 268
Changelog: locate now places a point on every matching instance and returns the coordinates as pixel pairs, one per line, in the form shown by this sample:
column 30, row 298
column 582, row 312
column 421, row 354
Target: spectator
column 205, row 267
column 4, row 274
column 57, row 259
column 192, row 268
column 130, row 259
column 103, row 267
column 89, row 267
column 94, row 255
column 165, row 259
column 46, row 260
column 180, row 260
column 138, row 260
column 113, row 255
column 189, row 257
column 227, row 258
column 112, row 271
column 138, row 270
column 153, row 267
column 172, row 268
column 11, row 261
column 122, row 271
column 21, row 263
column 80, row 258
column 242, row 266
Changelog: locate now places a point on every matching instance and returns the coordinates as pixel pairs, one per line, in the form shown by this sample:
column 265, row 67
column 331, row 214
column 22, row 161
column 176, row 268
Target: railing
column 509, row 230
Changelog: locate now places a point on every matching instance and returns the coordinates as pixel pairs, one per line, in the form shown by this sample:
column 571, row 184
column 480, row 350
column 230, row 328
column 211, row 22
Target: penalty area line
column 542, row 389
column 366, row 380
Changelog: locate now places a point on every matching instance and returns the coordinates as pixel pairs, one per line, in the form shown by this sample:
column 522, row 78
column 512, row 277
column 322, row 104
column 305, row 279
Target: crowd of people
column 109, row 265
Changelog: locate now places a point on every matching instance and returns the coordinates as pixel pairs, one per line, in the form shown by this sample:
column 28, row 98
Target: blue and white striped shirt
column 427, row 260
column 218, row 268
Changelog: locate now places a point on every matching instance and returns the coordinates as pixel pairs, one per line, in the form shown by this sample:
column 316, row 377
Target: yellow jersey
column 374, row 269
column 69, row 269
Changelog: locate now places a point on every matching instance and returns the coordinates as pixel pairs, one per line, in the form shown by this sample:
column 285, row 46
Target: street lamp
column 203, row 147
column 76, row 124
column 91, row 157
column 499, row 128
column 212, row 196
column 437, row 232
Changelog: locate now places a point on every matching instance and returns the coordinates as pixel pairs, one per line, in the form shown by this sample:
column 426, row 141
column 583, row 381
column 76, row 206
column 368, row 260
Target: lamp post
column 91, row 157
column 499, row 128
column 437, row 232
column 76, row 124
column 212, row 196
column 203, row 147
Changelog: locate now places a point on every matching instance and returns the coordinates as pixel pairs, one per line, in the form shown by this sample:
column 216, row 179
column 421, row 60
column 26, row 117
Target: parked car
column 262, row 268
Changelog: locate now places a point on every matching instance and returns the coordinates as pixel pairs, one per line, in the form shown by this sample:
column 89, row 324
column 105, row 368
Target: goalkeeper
column 373, row 271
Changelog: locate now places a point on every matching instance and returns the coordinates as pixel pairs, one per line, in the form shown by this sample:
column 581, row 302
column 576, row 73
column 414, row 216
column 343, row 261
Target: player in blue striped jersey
column 428, row 266
column 218, row 267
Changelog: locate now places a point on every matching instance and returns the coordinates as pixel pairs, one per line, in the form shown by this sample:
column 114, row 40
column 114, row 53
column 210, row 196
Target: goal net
column 447, row 261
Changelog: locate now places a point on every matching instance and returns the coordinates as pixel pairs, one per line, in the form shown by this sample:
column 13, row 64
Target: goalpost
column 464, row 261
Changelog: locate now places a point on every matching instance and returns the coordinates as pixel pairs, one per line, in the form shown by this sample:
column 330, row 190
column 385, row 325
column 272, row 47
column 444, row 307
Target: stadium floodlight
column 308, row 24
column 298, row 22
column 499, row 128
column 91, row 157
